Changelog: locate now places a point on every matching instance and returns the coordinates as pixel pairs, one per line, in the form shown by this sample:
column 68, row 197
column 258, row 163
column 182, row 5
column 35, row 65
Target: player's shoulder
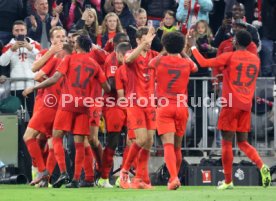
column 153, row 53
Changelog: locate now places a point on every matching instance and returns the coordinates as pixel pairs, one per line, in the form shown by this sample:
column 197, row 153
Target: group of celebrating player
column 84, row 70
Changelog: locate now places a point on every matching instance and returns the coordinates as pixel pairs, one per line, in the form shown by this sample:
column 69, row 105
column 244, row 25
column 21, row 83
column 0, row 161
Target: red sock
column 79, row 159
column 133, row 152
column 51, row 161
column 126, row 150
column 251, row 153
column 107, row 162
column 227, row 160
column 59, row 154
column 98, row 155
column 170, row 159
column 88, row 165
column 142, row 167
column 36, row 154
column 178, row 157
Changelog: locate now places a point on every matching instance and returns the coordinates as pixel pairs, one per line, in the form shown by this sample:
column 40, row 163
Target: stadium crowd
column 80, row 47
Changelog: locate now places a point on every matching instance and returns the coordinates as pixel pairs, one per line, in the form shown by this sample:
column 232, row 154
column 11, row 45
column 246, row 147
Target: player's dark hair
column 120, row 37
column 84, row 42
column 243, row 38
column 123, row 47
column 142, row 31
column 173, row 42
column 68, row 48
column 81, row 32
column 19, row 22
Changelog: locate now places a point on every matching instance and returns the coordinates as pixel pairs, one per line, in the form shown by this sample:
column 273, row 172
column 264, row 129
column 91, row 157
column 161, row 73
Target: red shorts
column 77, row 123
column 38, row 103
column 138, row 117
column 95, row 114
column 236, row 120
column 43, row 120
column 172, row 119
column 131, row 135
column 115, row 118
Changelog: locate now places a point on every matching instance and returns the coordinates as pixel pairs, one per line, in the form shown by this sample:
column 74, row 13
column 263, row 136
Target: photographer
column 20, row 53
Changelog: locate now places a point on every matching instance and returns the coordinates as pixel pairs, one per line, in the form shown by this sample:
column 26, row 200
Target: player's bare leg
column 168, row 140
column 79, row 161
column 227, row 159
column 253, row 155
column 60, row 158
column 35, row 152
column 96, row 146
column 88, row 165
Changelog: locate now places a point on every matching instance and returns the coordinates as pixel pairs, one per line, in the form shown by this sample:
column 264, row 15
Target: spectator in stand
column 78, row 7
column 133, row 5
column 41, row 22
column 268, row 53
column 167, row 24
column 238, row 12
column 89, row 22
column 20, row 53
column 141, row 21
column 191, row 11
column 111, row 25
column 10, row 11
column 121, row 9
column 156, row 8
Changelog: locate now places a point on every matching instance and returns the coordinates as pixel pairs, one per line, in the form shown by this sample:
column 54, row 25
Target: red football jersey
column 227, row 46
column 80, row 72
column 172, row 76
column 239, row 77
column 55, row 90
column 110, row 67
column 141, row 77
column 121, row 78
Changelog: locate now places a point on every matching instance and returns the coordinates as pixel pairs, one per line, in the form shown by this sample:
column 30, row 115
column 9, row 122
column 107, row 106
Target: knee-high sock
column 142, row 167
column 36, row 154
column 98, row 155
column 51, row 161
column 59, row 153
column 170, row 159
column 79, row 159
column 251, row 153
column 88, row 165
column 133, row 152
column 227, row 160
column 178, row 156
column 107, row 162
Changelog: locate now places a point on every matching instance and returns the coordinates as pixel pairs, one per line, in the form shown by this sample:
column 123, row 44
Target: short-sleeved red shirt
column 80, row 72
column 239, row 77
column 172, row 76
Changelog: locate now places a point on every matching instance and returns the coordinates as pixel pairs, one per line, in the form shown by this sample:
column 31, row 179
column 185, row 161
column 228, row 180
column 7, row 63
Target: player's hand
column 191, row 41
column 33, row 22
column 55, row 20
column 150, row 35
column 27, row 91
column 16, row 45
column 56, row 48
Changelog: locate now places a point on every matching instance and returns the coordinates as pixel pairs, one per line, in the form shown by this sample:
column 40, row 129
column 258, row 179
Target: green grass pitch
column 159, row 193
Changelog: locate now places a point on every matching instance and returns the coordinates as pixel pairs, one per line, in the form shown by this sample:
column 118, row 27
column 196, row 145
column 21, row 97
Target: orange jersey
column 80, row 72
column 239, row 77
column 172, row 75
column 141, row 77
